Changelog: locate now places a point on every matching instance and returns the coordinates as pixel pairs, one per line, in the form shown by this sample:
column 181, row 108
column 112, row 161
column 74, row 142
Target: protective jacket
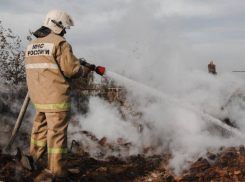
column 50, row 66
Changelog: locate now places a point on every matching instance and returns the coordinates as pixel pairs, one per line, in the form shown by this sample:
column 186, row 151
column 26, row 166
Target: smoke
column 169, row 127
column 11, row 101
column 107, row 125
column 150, row 49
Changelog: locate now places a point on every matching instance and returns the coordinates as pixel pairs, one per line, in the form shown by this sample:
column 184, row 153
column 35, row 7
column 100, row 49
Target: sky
column 201, row 30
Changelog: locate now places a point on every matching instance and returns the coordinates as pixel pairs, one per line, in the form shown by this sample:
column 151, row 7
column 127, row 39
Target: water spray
column 163, row 96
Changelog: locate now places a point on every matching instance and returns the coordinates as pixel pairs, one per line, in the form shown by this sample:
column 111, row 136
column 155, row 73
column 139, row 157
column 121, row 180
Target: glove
column 84, row 63
column 82, row 60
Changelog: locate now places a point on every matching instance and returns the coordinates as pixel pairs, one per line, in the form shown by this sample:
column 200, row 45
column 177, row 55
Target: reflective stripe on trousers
column 52, row 106
column 57, row 151
column 38, row 143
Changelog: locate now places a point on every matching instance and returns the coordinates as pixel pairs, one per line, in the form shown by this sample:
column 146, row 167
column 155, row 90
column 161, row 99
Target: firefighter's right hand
column 82, row 61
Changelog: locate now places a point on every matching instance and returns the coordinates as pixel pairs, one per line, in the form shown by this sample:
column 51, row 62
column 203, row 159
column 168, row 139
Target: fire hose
column 99, row 70
column 18, row 123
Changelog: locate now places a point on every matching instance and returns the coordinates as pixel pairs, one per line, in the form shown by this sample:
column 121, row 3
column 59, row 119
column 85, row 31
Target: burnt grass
column 228, row 165
column 86, row 168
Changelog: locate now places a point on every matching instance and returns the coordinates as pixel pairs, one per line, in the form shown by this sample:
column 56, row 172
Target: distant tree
column 29, row 37
column 12, row 66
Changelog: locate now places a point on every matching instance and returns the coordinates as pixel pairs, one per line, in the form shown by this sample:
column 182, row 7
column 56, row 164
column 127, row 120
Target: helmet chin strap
column 58, row 24
column 62, row 33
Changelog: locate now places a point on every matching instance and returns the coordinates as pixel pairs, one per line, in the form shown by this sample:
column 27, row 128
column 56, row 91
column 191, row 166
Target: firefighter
column 50, row 67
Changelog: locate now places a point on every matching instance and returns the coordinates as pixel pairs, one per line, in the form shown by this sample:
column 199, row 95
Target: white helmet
column 57, row 20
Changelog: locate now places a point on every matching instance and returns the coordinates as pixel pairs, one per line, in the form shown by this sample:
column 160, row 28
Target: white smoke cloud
column 104, row 124
column 152, row 51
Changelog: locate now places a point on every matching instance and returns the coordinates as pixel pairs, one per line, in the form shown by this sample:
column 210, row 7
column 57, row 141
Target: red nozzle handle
column 100, row 70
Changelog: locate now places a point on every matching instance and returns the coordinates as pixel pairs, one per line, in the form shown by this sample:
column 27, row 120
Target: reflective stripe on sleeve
column 53, row 106
column 42, row 65
column 57, row 150
column 38, row 143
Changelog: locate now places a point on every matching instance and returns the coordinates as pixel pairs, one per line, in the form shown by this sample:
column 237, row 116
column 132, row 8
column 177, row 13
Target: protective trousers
column 49, row 134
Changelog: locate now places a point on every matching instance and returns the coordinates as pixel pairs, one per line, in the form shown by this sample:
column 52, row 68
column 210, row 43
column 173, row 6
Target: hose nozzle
column 98, row 69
